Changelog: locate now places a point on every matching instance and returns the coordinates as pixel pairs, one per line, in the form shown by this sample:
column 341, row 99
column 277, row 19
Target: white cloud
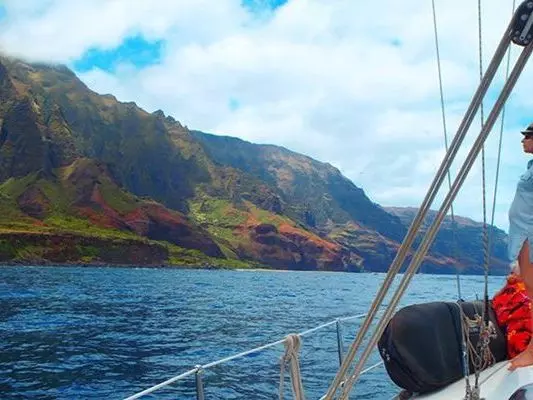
column 350, row 83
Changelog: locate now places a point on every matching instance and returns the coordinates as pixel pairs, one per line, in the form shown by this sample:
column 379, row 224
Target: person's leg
column 525, row 358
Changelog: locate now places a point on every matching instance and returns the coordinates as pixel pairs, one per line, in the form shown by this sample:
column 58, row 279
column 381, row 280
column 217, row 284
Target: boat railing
column 199, row 369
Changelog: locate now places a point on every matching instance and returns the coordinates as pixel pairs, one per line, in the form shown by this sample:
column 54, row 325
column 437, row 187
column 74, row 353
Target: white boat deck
column 497, row 383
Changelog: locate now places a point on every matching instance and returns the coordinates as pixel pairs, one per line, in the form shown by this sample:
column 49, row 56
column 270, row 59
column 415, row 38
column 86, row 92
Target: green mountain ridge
column 466, row 238
column 319, row 193
column 85, row 178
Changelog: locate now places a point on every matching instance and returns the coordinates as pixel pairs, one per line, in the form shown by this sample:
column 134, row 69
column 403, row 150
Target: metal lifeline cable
column 517, row 33
column 199, row 368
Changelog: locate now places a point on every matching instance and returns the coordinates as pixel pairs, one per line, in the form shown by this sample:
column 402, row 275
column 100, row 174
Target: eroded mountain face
column 82, row 174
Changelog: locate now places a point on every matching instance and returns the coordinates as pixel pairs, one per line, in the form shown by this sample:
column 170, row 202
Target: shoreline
column 5, row 264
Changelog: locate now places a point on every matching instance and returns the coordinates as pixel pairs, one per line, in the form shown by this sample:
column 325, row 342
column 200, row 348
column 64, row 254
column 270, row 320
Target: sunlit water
column 107, row 333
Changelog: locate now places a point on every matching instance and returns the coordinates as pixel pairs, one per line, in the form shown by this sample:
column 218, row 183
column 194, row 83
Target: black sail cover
column 422, row 347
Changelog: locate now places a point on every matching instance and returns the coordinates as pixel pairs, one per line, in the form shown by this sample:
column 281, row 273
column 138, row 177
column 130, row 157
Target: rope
column 481, row 355
column 445, row 130
column 292, row 348
column 464, row 348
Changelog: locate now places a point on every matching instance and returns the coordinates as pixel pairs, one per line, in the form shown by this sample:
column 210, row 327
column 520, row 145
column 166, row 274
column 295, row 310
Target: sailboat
column 495, row 383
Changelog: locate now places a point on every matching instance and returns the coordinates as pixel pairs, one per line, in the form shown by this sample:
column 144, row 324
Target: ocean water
column 108, row 333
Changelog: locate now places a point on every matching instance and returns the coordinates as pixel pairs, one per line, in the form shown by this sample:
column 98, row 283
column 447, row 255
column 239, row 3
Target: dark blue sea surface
column 107, row 333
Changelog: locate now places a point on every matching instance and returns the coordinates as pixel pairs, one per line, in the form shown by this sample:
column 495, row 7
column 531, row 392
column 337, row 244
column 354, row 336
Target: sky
column 349, row 82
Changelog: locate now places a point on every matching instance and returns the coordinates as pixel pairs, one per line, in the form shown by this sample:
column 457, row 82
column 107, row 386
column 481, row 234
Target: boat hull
column 497, row 383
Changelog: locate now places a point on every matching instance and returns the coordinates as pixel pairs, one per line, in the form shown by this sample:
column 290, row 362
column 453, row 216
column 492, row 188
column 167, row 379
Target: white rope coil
column 291, row 358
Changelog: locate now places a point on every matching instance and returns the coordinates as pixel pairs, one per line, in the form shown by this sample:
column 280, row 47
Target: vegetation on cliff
column 85, row 178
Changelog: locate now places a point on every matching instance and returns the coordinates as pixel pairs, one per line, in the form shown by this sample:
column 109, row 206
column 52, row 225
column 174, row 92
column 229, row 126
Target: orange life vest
column 512, row 307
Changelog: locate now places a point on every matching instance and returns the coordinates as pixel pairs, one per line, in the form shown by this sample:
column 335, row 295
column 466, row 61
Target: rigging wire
column 465, row 349
column 445, row 130
column 487, row 240
column 486, row 255
column 485, row 312
column 498, row 161
column 482, row 123
column 488, row 236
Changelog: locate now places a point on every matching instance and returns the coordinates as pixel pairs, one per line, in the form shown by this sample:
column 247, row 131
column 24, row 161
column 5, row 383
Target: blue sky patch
column 263, row 5
column 396, row 42
column 2, row 11
column 234, row 104
column 134, row 50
